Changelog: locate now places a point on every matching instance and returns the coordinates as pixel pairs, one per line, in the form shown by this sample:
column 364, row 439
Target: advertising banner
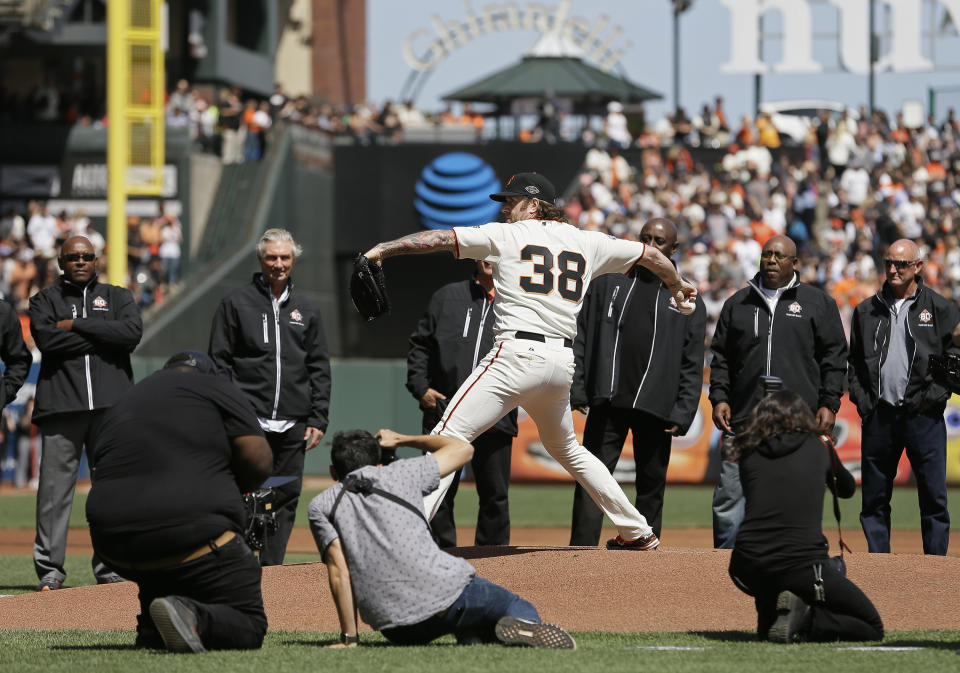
column 695, row 457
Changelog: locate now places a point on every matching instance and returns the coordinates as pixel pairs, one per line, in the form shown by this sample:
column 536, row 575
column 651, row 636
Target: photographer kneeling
column 171, row 461
column 376, row 543
column 781, row 555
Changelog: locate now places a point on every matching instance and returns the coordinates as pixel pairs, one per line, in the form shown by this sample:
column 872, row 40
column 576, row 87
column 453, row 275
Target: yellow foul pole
column 135, row 118
column 118, row 149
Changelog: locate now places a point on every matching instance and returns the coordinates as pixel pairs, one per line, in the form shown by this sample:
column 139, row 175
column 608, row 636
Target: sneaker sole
column 176, row 633
column 514, row 631
column 649, row 546
column 780, row 631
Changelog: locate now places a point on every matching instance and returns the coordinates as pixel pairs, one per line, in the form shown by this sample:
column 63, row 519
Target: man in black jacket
column 892, row 336
column 775, row 327
column 85, row 331
column 451, row 338
column 16, row 362
column 640, row 369
column 269, row 339
column 13, row 351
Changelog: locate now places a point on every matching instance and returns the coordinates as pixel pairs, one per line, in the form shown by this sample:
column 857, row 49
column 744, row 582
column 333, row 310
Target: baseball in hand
column 686, row 304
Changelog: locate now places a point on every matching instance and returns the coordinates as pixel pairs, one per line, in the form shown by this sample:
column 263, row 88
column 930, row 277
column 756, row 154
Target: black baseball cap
column 527, row 184
column 195, row 359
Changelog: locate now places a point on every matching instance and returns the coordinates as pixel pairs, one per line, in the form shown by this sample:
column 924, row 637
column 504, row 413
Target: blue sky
column 647, row 26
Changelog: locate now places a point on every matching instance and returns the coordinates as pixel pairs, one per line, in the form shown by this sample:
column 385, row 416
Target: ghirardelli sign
column 424, row 48
column 906, row 27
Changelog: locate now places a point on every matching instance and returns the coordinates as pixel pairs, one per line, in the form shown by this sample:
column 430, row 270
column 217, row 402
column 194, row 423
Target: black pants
column 886, row 432
column 844, row 614
column 288, row 454
column 603, row 436
column 491, row 469
column 223, row 587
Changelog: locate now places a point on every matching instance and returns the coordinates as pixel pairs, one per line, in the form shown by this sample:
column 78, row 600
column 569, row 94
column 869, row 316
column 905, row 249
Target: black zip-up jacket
column 930, row 324
column 87, row 367
column 454, row 334
column 673, row 379
column 13, row 351
column 279, row 360
column 784, row 480
column 802, row 342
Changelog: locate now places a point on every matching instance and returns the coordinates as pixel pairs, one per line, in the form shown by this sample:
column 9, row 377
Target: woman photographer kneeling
column 781, row 555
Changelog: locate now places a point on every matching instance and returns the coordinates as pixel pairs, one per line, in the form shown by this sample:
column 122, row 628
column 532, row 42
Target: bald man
column 780, row 331
column 892, row 336
column 85, row 331
column 639, row 368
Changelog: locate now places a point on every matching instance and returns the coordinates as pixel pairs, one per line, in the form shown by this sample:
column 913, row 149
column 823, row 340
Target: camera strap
column 364, row 486
column 832, row 457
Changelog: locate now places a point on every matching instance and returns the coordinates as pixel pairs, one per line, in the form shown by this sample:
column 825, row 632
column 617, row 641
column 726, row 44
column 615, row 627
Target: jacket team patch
column 99, row 303
column 795, row 310
column 296, row 318
column 925, row 318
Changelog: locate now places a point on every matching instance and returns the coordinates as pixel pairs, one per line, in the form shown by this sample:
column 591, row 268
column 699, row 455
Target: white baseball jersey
column 542, row 269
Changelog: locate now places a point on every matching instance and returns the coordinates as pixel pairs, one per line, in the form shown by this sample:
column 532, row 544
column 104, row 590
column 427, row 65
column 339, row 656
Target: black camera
column 261, row 517
column 387, row 456
column 771, row 384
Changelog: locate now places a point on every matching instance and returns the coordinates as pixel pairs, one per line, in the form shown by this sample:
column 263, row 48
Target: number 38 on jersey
column 566, row 276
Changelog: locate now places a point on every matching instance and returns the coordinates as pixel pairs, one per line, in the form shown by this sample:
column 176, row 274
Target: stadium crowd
column 856, row 184
column 853, row 188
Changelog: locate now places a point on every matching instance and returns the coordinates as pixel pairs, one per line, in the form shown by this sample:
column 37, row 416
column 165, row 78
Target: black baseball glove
column 368, row 288
column 945, row 370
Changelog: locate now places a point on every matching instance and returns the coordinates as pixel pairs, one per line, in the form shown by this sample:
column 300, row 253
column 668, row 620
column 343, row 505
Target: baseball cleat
column 516, row 631
column 793, row 619
column 648, row 543
column 177, row 624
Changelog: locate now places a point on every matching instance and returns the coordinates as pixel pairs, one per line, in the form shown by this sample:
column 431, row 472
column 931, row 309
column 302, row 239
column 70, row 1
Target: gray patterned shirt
column 400, row 576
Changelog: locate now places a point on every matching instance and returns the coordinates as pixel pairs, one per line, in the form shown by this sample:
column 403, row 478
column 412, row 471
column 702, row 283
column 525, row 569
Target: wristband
column 348, row 640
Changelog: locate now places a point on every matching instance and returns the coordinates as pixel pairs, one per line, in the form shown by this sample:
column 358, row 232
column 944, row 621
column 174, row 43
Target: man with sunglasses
column 85, row 331
column 892, row 336
column 775, row 327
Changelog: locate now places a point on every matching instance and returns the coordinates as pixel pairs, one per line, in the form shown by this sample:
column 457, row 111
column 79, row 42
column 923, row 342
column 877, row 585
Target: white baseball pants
column 536, row 376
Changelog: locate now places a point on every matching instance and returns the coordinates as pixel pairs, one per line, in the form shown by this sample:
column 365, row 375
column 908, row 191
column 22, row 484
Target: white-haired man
column 269, row 339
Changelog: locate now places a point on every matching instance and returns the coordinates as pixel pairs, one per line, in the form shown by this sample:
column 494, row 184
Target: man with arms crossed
column 542, row 267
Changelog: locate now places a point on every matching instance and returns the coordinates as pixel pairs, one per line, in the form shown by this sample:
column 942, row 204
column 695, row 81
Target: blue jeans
column 728, row 506
column 887, row 431
column 472, row 617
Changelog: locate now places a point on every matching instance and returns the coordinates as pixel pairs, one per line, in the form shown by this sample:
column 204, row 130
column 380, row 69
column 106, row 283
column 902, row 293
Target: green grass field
column 685, row 506
column 723, row 652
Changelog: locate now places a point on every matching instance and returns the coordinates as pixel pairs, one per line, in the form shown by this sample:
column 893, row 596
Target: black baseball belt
column 533, row 336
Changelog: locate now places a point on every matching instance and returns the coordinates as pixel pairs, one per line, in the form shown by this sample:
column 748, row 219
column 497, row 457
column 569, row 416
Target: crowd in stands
column 855, row 184
column 29, row 243
column 854, row 187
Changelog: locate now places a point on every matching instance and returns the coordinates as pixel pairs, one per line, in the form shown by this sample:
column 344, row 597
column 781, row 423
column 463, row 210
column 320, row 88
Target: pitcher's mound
column 580, row 588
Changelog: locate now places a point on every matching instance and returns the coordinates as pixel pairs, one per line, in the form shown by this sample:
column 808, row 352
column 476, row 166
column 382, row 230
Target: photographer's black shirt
column 784, row 481
column 162, row 477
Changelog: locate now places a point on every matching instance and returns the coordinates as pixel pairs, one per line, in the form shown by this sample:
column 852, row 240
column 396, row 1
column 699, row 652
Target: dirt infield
column 20, row 541
column 682, row 587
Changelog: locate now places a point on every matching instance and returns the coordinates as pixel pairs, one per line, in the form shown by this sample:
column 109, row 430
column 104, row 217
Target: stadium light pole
column 679, row 7
column 872, row 46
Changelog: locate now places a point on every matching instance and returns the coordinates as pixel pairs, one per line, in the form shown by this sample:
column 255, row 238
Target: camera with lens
column 261, row 517
column 387, row 456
